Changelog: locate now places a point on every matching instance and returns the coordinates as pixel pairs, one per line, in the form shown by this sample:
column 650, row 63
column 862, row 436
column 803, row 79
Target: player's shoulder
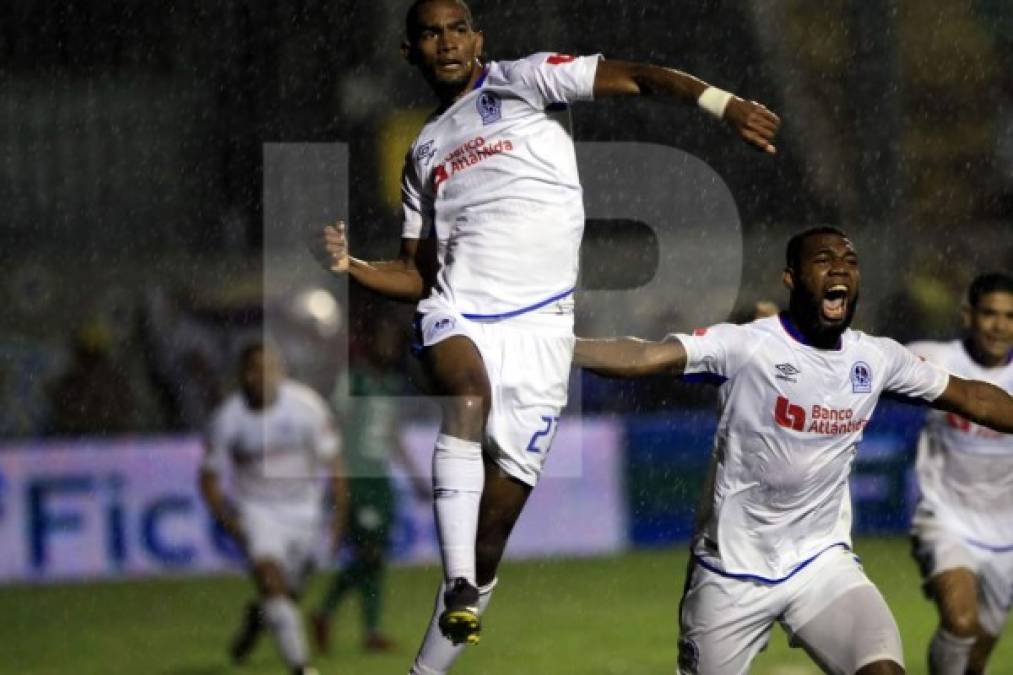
column 298, row 394
column 768, row 325
column 229, row 411
column 506, row 67
column 872, row 346
column 858, row 339
column 935, row 350
column 760, row 329
column 742, row 338
column 753, row 333
column 516, row 69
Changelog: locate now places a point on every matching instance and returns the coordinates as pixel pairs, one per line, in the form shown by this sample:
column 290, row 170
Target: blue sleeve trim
column 522, row 310
column 989, row 547
column 764, row 580
column 705, row 378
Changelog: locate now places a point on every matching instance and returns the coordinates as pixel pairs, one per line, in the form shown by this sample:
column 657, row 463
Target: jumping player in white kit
column 773, row 541
column 962, row 531
column 491, row 184
column 276, row 439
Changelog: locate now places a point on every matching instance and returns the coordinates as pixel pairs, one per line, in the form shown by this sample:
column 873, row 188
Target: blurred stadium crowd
column 131, row 170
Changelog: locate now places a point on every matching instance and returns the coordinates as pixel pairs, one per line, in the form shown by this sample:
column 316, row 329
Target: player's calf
column 249, row 632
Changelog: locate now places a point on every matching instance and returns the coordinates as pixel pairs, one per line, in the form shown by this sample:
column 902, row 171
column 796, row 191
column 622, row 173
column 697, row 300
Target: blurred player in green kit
column 370, row 420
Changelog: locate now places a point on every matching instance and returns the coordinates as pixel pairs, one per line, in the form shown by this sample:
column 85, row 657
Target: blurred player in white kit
column 962, row 529
column 493, row 218
column 491, row 184
column 773, row 539
column 276, row 439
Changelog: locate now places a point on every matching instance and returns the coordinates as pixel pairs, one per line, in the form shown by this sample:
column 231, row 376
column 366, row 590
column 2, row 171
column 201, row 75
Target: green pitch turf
column 607, row 616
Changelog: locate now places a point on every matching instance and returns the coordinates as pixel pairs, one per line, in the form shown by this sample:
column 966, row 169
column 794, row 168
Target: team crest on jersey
column 490, row 107
column 441, row 325
column 861, row 378
column 425, row 152
column 786, row 372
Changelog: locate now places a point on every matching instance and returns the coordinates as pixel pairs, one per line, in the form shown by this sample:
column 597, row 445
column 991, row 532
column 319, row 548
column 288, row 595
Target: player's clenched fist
column 755, row 123
column 336, row 246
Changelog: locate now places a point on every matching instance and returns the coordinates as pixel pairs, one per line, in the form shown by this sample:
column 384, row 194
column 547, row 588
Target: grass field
column 607, row 616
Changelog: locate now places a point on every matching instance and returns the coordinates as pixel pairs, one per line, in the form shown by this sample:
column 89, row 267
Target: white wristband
column 714, row 101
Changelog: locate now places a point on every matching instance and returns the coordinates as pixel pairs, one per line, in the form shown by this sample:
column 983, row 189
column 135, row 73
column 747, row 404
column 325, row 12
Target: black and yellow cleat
column 459, row 622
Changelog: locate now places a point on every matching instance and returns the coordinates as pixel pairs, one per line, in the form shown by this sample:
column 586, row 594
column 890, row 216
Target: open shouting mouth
column 835, row 303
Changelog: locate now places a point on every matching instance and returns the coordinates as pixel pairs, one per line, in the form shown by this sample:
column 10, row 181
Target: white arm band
column 714, row 101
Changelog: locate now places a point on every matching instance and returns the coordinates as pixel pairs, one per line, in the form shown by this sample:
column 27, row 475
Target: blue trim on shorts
column 522, row 310
column 764, row 580
column 989, row 547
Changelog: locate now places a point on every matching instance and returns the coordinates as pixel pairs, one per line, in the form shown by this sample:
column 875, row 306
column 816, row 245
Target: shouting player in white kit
column 963, row 526
column 491, row 182
column 277, row 440
column 773, row 542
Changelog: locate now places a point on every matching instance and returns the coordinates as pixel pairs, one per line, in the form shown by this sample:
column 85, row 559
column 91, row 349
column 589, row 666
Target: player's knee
column 884, row 667
column 269, row 578
column 465, row 415
column 471, row 405
column 961, row 622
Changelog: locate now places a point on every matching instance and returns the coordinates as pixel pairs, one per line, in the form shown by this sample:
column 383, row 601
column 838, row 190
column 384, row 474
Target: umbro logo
column 425, row 152
column 787, row 372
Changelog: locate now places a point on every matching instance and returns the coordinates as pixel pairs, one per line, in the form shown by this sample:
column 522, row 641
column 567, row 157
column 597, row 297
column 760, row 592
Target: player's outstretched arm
column 398, row 279
column 980, row 402
column 630, row 356
column 754, row 123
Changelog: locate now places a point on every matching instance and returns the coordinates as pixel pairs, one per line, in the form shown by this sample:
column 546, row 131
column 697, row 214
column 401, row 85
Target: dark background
column 132, row 133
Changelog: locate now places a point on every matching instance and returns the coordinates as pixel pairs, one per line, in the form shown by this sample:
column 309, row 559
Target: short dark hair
column 984, row 284
column 794, row 248
column 411, row 22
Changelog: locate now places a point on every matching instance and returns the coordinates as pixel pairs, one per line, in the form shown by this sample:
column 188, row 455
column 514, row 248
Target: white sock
column 948, row 654
column 458, row 478
column 282, row 617
column 438, row 653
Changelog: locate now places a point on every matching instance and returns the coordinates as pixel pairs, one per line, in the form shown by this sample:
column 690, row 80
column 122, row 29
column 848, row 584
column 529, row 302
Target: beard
column 807, row 310
column 448, row 87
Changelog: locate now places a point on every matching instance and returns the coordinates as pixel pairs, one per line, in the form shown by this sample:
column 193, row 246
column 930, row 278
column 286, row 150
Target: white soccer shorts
column 527, row 360
column 725, row 622
column 286, row 534
column 939, row 549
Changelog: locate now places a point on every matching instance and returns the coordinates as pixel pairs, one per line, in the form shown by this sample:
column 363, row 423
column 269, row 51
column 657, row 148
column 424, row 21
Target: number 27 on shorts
column 542, row 439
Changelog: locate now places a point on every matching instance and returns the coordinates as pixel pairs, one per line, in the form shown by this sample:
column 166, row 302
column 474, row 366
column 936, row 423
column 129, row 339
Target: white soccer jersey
column 277, row 454
column 790, row 418
column 965, row 471
column 496, row 175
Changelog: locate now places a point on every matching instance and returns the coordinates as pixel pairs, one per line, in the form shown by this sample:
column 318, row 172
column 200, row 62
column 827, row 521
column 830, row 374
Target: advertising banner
column 130, row 506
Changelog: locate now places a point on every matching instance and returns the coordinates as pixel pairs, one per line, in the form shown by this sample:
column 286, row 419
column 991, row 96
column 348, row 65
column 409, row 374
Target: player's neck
column 449, row 95
column 809, row 332
column 259, row 403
